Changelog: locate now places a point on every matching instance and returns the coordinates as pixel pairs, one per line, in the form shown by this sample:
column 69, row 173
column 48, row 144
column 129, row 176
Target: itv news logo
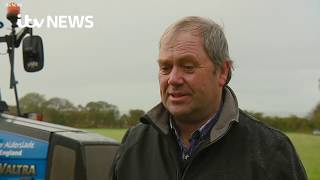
column 61, row 21
column 55, row 21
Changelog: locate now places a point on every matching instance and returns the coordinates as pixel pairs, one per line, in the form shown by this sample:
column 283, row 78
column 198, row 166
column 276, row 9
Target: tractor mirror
column 32, row 53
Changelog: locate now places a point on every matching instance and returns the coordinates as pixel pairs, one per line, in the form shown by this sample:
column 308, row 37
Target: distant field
column 308, row 148
column 113, row 133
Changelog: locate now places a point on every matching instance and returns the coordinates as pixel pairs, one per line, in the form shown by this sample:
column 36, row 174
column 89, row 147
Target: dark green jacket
column 239, row 148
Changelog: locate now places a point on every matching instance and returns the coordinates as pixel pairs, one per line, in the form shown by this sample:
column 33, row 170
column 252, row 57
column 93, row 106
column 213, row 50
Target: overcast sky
column 275, row 45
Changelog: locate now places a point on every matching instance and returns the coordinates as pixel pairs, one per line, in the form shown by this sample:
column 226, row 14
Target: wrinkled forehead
column 181, row 43
column 173, row 32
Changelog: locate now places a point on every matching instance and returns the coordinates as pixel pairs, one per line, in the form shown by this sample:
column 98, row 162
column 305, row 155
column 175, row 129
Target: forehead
column 174, row 45
column 176, row 37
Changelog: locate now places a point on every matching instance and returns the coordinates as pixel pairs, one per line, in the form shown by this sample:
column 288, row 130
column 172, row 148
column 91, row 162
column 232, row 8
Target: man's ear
column 224, row 75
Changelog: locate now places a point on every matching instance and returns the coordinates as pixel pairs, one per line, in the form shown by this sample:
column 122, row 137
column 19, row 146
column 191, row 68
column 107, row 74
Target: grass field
column 307, row 146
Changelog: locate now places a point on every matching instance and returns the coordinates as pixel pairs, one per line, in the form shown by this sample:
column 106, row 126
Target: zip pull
column 177, row 174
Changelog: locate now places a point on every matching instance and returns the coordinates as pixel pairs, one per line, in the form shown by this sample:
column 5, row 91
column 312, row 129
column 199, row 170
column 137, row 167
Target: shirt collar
column 202, row 131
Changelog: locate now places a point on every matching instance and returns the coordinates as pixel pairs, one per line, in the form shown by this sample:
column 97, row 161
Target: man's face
column 190, row 85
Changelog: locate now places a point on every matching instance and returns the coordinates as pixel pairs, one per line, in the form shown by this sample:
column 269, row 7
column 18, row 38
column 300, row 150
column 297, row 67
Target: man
column 198, row 131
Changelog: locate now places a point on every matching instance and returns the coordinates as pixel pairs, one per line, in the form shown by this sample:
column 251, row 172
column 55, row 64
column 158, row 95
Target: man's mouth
column 177, row 96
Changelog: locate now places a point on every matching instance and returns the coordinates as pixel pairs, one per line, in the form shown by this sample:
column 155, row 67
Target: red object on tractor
column 13, row 8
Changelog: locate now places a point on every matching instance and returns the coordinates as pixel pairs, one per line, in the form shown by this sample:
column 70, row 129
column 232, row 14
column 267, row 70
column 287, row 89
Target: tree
column 59, row 110
column 59, row 104
column 102, row 114
column 32, row 102
column 134, row 117
column 315, row 116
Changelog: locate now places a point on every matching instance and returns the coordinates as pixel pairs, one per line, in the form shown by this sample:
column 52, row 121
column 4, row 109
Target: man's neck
column 188, row 128
column 186, row 131
column 188, row 125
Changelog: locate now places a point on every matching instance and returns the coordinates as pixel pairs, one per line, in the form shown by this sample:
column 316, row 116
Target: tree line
column 101, row 114
column 291, row 123
column 96, row 114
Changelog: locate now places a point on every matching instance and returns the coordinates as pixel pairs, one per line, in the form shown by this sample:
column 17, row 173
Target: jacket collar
column 159, row 116
column 229, row 114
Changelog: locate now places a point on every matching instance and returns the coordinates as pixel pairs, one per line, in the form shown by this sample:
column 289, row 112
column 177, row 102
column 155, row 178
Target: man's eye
column 165, row 69
column 189, row 68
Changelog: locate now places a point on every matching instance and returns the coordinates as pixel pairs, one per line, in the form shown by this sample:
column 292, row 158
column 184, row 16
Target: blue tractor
column 35, row 150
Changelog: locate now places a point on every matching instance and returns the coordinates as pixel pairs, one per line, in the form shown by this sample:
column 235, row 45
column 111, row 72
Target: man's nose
column 175, row 77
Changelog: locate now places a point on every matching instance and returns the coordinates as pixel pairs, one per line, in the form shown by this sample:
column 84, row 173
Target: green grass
column 307, row 146
column 116, row 134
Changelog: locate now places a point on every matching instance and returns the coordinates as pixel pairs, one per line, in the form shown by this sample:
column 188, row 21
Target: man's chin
column 178, row 112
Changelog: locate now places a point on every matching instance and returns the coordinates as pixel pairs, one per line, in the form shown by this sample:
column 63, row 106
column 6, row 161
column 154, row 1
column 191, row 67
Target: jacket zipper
column 176, row 163
column 209, row 144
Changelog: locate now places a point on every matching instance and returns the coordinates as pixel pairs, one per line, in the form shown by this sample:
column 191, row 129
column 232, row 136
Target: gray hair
column 215, row 42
